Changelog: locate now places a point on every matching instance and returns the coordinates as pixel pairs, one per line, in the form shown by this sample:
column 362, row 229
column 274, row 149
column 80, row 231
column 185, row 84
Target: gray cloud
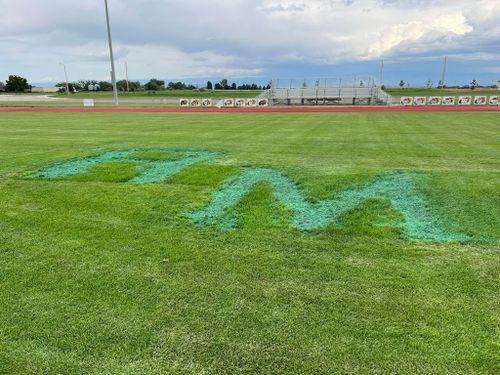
column 238, row 37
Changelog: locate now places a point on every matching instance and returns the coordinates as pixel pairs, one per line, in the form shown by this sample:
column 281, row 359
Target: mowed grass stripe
column 98, row 276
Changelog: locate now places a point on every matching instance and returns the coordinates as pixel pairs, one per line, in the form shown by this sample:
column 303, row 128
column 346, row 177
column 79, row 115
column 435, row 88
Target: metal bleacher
column 329, row 91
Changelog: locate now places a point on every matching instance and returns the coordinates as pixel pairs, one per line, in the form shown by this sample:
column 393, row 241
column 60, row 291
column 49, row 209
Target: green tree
column 176, row 86
column 16, row 84
column 154, row 85
column 473, row 84
column 402, row 83
column 105, row 86
column 121, row 85
column 133, row 86
column 210, row 86
column 223, row 84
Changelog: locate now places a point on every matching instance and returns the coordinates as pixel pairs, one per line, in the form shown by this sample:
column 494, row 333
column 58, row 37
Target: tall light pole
column 126, row 76
column 381, row 72
column 443, row 75
column 113, row 75
column 65, row 77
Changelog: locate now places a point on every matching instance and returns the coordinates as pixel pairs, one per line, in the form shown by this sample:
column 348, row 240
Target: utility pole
column 443, row 76
column 113, row 74
column 381, row 72
column 126, row 76
column 65, row 77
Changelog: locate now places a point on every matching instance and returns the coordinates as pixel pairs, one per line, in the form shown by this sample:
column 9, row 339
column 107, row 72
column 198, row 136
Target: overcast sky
column 252, row 40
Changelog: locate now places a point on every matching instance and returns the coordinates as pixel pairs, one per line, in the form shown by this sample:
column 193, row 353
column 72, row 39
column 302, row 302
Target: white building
column 45, row 89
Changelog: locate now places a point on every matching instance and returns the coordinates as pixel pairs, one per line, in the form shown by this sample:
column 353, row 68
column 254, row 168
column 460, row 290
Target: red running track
column 332, row 109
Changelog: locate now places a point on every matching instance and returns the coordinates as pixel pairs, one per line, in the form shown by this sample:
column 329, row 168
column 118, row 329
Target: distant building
column 2, row 86
column 45, row 89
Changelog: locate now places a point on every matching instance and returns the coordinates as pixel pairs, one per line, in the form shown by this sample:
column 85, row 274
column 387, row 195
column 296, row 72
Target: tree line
column 154, row 85
column 224, row 85
column 20, row 84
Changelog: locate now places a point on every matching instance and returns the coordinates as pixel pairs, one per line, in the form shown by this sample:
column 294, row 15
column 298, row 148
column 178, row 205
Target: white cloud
column 168, row 38
column 411, row 32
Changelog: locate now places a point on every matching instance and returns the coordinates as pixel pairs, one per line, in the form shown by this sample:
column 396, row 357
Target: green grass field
column 100, row 275
column 132, row 99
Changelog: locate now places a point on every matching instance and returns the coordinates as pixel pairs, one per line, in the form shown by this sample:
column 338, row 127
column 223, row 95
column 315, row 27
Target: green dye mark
column 157, row 170
column 81, row 166
column 398, row 188
column 162, row 169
